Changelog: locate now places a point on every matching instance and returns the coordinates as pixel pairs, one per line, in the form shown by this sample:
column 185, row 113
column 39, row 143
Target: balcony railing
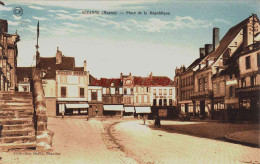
column 248, row 91
column 202, row 94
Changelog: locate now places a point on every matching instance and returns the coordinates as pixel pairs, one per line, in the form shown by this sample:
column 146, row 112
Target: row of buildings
column 225, row 76
column 73, row 90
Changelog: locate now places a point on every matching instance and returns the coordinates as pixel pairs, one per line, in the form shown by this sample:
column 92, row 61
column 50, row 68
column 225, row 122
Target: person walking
column 62, row 114
column 144, row 119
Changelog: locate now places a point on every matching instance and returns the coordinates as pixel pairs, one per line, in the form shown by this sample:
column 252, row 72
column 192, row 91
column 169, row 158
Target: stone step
column 28, row 101
column 11, row 107
column 17, row 112
column 17, row 126
column 14, row 93
column 9, row 98
column 16, row 105
column 21, row 132
column 8, row 146
column 15, row 121
column 18, row 139
column 16, row 116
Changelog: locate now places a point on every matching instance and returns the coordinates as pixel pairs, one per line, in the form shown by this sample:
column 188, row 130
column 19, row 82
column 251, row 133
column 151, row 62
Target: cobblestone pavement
column 75, row 141
column 155, row 146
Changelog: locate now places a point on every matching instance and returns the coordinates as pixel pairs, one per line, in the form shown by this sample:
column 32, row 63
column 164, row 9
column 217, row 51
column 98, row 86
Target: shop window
column 248, row 62
column 230, row 91
column 63, row 91
column 253, row 80
column 160, row 102
column 165, row 102
column 170, row 102
column 154, row 102
column 82, row 92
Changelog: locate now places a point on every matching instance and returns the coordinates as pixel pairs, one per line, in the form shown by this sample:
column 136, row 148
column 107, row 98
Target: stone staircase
column 16, row 120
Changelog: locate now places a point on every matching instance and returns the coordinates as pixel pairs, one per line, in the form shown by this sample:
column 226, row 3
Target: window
column 253, row 80
column 104, row 90
column 170, row 91
column 243, row 82
column 117, row 90
column 63, row 91
column 170, row 102
column 108, row 91
column 132, row 90
column 230, row 91
column 154, row 91
column 165, row 92
column 125, row 91
column 160, row 102
column 199, row 82
column 147, row 89
column 154, row 102
column 258, row 59
column 160, row 91
column 248, row 64
column 205, row 84
column 93, row 95
column 82, row 92
column 165, row 102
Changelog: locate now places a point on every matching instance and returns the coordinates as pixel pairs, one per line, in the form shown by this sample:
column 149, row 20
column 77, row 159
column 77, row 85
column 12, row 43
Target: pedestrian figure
column 62, row 114
column 144, row 119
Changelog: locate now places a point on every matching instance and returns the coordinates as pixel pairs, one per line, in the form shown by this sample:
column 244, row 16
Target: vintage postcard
column 172, row 82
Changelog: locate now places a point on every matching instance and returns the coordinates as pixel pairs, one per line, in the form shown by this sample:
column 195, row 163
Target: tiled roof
column 153, row 81
column 49, row 64
column 228, row 38
column 24, row 72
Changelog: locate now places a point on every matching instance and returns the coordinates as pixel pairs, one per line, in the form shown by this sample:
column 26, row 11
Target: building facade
column 8, row 58
column 65, row 85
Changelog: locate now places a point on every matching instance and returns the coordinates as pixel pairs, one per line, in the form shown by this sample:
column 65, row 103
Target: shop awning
column 114, row 107
column 77, row 105
column 146, row 109
column 129, row 109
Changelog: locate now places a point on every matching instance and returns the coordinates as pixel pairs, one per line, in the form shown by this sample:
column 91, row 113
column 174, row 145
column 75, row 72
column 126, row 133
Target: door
column 202, row 107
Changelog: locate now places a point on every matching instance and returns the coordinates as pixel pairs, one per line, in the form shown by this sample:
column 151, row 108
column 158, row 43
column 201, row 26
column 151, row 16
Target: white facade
column 163, row 93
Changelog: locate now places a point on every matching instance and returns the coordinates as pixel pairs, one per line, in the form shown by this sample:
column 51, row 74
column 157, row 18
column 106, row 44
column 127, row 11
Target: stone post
column 43, row 135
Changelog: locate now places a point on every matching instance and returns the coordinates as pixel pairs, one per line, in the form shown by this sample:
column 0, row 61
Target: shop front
column 113, row 110
column 72, row 108
column 129, row 111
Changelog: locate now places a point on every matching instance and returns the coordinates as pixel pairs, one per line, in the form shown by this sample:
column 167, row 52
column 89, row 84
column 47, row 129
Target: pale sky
column 112, row 44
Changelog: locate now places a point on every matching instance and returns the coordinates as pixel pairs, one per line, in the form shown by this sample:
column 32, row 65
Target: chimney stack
column 202, row 52
column 85, row 65
column 58, row 56
column 215, row 37
column 208, row 48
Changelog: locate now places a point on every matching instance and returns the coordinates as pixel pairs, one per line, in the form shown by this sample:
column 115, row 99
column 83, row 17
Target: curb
column 240, row 142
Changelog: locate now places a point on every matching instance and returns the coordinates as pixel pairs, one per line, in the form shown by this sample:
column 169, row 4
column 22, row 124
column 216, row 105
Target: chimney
column 245, row 36
column 202, row 52
column 215, row 37
column 208, row 49
column 58, row 56
column 85, row 65
column 130, row 74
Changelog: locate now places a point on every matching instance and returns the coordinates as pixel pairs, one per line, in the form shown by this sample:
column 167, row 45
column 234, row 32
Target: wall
column 51, row 106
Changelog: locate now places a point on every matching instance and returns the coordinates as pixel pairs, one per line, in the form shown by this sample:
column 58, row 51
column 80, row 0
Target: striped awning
column 77, row 106
column 143, row 109
column 113, row 107
column 129, row 109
